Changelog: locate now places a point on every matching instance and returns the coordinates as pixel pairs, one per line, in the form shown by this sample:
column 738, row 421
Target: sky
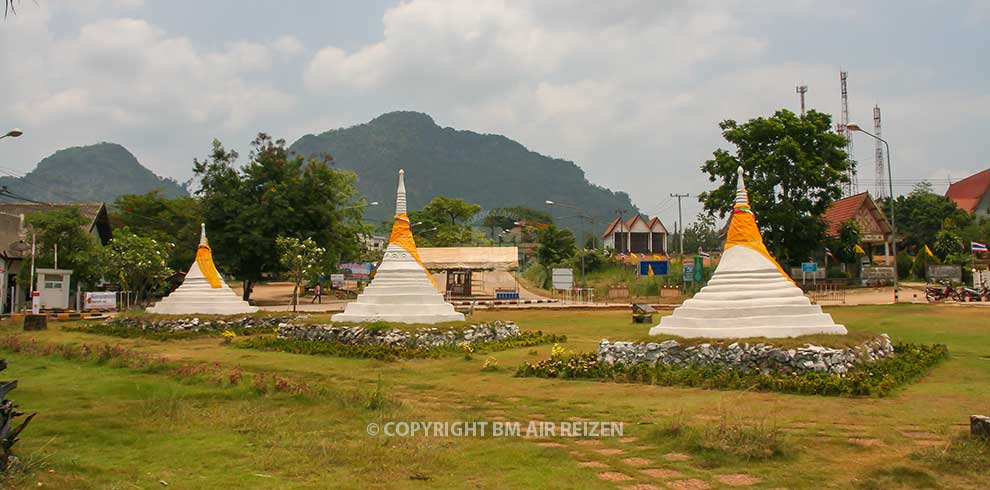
column 632, row 91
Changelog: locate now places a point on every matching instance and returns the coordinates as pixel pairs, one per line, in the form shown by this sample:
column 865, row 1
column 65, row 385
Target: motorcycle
column 969, row 294
column 940, row 291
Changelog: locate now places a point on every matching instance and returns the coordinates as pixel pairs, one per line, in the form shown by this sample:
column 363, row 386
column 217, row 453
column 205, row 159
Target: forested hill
column 99, row 172
column 487, row 169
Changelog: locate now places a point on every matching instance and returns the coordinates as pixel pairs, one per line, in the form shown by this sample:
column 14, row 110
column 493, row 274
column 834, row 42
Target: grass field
column 120, row 427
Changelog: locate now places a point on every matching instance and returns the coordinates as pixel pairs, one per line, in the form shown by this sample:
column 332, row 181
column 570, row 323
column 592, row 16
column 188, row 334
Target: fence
column 828, row 293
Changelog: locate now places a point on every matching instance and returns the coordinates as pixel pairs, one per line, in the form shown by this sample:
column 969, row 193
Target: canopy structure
column 403, row 290
column 749, row 295
column 203, row 291
column 476, row 258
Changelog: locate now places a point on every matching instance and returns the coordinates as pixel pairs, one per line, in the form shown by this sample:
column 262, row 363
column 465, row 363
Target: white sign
column 100, row 300
column 35, row 302
column 563, row 279
column 337, row 281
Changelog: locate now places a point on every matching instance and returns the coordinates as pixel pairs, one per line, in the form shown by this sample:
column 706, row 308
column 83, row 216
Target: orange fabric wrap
column 743, row 231
column 402, row 236
column 204, row 259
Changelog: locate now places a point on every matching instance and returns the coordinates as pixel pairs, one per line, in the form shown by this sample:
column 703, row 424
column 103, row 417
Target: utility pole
column 680, row 218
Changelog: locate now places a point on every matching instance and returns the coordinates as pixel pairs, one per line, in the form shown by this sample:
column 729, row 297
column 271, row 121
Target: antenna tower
column 801, row 90
column 851, row 187
column 881, row 178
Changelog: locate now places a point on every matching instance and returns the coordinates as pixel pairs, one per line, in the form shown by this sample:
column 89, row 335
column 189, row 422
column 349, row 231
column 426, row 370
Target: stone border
column 746, row 356
column 194, row 324
column 419, row 338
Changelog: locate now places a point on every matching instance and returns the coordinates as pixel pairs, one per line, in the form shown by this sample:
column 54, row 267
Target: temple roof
column 847, row 208
column 968, row 192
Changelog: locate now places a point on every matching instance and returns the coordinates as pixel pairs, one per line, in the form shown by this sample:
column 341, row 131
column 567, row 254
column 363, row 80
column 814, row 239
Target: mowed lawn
column 107, row 427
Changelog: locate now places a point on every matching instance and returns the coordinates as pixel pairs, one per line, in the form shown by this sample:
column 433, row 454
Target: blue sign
column 809, row 267
column 660, row 267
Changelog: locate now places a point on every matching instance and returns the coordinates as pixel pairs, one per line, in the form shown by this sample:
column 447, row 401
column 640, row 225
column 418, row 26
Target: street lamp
column 372, row 203
column 893, row 226
column 13, row 133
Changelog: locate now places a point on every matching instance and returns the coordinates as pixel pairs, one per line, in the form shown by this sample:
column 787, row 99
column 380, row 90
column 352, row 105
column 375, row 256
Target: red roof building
column 972, row 194
column 636, row 235
column 874, row 228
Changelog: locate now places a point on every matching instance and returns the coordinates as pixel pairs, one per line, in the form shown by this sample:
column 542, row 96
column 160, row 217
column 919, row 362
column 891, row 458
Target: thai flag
column 978, row 247
column 828, row 252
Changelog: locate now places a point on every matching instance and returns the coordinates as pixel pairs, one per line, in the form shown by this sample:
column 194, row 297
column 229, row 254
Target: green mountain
column 99, row 172
column 488, row 169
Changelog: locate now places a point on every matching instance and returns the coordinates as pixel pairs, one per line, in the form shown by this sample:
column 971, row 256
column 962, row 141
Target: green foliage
column 137, row 263
column 876, row 379
column 701, row 235
column 948, row 244
column 794, row 167
column 391, row 352
column 491, row 170
column 446, row 222
column 276, row 193
column 844, row 246
column 921, row 214
column 556, row 246
column 302, row 258
column 905, row 265
column 78, row 249
column 154, row 215
column 94, row 173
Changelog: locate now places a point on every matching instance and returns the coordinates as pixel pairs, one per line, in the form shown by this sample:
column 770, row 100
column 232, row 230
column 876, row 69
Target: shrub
column 874, row 379
column 392, row 352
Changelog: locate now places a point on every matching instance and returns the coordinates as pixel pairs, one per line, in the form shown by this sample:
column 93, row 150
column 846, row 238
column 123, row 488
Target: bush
column 875, row 379
column 392, row 352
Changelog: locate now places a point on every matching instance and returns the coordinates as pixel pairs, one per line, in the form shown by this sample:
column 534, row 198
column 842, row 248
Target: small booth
column 53, row 286
column 474, row 271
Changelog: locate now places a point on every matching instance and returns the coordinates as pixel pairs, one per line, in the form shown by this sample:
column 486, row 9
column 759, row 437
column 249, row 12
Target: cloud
column 288, row 45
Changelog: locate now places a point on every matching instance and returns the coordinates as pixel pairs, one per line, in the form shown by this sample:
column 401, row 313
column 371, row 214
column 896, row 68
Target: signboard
column 35, row 302
column 357, row 270
column 882, row 272
column 563, row 279
column 103, row 300
column 337, row 281
column 699, row 269
column 660, row 267
column 809, row 267
column 688, row 272
column 940, row 272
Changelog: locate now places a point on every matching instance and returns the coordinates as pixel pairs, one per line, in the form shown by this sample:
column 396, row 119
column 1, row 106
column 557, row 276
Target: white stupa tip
column 400, row 197
column 742, row 197
column 202, row 233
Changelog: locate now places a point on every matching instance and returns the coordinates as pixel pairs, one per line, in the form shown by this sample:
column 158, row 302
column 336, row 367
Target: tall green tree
column 138, row 263
column 276, row 193
column 921, row 214
column 78, row 249
column 556, row 246
column 794, row 168
column 153, row 215
column 701, row 235
column 445, row 222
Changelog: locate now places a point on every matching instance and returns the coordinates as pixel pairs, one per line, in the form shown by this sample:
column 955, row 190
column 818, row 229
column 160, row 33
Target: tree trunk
column 246, row 294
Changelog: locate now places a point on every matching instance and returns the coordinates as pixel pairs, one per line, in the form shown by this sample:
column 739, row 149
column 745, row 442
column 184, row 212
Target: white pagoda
column 203, row 291
column 749, row 295
column 403, row 290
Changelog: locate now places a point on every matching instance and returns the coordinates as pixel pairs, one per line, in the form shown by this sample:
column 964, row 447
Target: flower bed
column 878, row 378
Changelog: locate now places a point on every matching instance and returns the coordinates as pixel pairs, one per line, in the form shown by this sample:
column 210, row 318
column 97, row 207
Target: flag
column 858, row 249
column 928, row 251
column 656, row 257
column 828, row 252
column 649, row 270
column 705, row 254
column 633, row 256
column 978, row 247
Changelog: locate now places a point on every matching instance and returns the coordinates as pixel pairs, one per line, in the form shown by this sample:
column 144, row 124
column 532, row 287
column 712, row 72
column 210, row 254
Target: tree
column 949, row 245
column 452, row 210
column 794, row 168
column 445, row 222
column 702, row 234
column 921, row 214
column 302, row 258
column 556, row 246
column 78, row 249
column 138, row 263
column 276, row 193
column 845, row 245
column 166, row 220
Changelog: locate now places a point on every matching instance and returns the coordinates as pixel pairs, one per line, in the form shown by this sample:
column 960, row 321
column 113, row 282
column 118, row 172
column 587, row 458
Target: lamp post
column 890, row 181
column 584, row 232
column 13, row 133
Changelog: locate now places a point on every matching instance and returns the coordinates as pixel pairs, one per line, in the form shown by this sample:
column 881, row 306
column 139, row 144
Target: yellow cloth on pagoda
column 204, row 259
column 402, row 236
column 744, row 232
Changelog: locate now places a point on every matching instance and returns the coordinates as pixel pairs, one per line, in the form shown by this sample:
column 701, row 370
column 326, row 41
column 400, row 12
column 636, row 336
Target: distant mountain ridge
column 488, row 169
column 99, row 172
